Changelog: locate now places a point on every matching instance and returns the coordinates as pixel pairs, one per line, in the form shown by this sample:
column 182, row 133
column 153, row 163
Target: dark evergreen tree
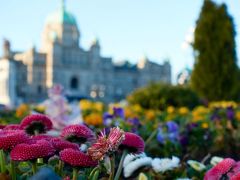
column 215, row 71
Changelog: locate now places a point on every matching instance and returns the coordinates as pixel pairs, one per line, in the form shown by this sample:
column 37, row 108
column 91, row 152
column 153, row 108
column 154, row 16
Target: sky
column 126, row 29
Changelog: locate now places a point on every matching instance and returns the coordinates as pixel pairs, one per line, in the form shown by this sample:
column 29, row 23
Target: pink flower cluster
column 10, row 138
column 226, row 169
column 25, row 145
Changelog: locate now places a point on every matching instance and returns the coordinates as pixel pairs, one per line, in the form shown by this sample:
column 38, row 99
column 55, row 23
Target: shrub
column 160, row 96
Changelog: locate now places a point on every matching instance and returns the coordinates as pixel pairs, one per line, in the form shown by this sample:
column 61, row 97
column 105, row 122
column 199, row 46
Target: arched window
column 74, row 83
column 39, row 89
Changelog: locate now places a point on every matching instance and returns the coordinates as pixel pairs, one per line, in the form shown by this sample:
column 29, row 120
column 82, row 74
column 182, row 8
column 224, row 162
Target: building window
column 74, row 83
column 39, row 89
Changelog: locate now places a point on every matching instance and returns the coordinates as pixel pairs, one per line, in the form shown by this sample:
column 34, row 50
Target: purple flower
column 215, row 116
column 118, row 112
column 161, row 138
column 172, row 126
column 107, row 119
column 183, row 139
column 134, row 130
column 170, row 132
column 191, row 126
column 134, row 121
column 230, row 113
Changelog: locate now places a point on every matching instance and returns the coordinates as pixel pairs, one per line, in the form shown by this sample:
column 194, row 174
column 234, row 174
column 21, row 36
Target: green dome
column 61, row 16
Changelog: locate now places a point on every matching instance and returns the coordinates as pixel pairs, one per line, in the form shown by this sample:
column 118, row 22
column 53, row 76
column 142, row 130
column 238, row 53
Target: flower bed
column 126, row 142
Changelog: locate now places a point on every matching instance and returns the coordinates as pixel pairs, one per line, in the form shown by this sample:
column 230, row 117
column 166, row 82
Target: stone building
column 26, row 76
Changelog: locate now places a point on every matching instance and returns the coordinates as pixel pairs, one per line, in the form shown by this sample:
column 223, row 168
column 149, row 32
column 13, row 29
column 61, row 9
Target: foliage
column 215, row 71
column 160, row 96
column 197, row 134
column 205, row 129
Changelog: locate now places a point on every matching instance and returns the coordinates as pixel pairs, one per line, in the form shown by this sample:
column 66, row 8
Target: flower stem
column 125, row 152
column 75, row 174
column 93, row 172
column 2, row 161
column 149, row 139
column 96, row 175
column 34, row 167
column 112, row 162
column 60, row 168
column 13, row 170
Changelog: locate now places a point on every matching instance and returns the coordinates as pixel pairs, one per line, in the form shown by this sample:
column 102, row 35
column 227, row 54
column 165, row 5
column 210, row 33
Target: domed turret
column 184, row 76
column 61, row 27
column 61, row 16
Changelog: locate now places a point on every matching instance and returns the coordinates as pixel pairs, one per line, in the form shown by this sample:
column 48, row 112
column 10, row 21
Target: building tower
column 59, row 36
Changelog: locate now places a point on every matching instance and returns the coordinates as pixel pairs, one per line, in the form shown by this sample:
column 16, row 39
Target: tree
column 215, row 71
column 160, row 96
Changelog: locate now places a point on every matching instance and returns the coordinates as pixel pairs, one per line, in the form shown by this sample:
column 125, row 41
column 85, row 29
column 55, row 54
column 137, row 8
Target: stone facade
column 83, row 73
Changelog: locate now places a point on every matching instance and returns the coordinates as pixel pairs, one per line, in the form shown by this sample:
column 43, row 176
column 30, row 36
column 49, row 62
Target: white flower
column 165, row 164
column 183, row 179
column 215, row 160
column 132, row 157
column 135, row 165
column 83, row 147
column 196, row 165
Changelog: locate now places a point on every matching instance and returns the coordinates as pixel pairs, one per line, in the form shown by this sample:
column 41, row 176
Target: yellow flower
column 142, row 176
column 22, row 110
column 129, row 113
column 85, row 105
column 238, row 115
column 205, row 125
column 170, row 109
column 137, row 108
column 98, row 106
column 150, row 115
column 93, row 119
column 40, row 108
column 223, row 104
column 199, row 113
column 183, row 111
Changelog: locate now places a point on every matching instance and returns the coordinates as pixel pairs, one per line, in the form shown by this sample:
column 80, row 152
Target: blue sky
column 127, row 29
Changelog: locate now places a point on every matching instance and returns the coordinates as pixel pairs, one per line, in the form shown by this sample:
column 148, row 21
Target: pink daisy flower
column 98, row 150
column 39, row 149
column 12, row 127
column 77, row 133
column 115, row 138
column 235, row 171
column 2, row 126
column 133, row 143
column 36, row 123
column 220, row 170
column 60, row 144
column 10, row 138
column 106, row 144
column 235, row 177
column 77, row 158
